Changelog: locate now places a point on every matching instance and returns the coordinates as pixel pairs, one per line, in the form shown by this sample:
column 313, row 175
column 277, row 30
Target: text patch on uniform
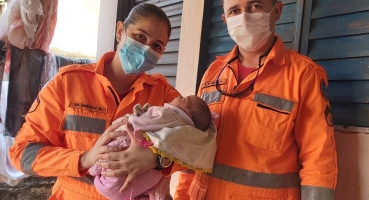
column 212, row 83
column 87, row 107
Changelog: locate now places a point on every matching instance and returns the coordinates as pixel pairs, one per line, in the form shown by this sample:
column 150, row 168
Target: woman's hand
column 132, row 162
column 89, row 158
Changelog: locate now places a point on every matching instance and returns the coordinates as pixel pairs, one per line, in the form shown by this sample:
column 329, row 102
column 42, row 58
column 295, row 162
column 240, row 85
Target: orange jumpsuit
column 276, row 143
column 67, row 118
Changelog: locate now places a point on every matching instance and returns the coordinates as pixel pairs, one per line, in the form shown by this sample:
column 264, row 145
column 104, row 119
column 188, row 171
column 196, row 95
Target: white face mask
column 250, row 31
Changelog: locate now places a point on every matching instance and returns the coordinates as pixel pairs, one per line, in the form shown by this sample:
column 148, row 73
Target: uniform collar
column 105, row 59
column 144, row 78
column 277, row 53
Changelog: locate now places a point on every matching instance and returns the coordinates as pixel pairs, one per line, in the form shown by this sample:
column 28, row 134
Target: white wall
column 106, row 31
column 76, row 28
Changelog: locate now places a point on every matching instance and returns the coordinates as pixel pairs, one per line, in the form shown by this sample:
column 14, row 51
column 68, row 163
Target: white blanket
column 196, row 152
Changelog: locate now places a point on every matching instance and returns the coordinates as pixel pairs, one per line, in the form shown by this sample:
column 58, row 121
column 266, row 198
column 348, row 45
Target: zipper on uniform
column 269, row 108
column 115, row 96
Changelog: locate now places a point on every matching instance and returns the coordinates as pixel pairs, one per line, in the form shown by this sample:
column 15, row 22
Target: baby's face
column 184, row 103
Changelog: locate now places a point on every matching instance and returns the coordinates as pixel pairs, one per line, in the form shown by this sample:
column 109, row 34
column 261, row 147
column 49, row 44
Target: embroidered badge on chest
column 212, row 83
column 87, row 107
column 328, row 116
column 324, row 89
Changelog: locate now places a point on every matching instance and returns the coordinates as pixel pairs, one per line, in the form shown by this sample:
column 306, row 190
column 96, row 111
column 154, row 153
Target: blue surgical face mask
column 137, row 58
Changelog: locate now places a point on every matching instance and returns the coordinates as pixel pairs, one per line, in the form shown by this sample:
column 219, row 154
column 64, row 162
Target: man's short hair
column 273, row 1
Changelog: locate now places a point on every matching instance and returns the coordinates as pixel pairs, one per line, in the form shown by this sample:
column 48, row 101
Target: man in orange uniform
column 275, row 137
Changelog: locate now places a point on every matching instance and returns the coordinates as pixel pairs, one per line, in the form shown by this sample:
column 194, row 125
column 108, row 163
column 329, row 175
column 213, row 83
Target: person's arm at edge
column 38, row 145
column 315, row 138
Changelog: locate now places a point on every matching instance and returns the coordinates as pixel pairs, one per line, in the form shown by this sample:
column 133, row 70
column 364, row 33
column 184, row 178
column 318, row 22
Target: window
column 76, row 29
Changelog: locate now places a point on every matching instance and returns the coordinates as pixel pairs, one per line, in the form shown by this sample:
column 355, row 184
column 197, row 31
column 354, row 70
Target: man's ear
column 278, row 10
column 223, row 18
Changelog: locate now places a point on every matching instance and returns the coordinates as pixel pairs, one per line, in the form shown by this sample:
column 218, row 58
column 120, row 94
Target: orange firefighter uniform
column 276, row 143
column 67, row 118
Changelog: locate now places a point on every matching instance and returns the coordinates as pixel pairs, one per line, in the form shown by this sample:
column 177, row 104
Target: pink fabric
column 150, row 184
column 30, row 23
column 142, row 141
column 110, row 186
column 7, row 61
column 46, row 25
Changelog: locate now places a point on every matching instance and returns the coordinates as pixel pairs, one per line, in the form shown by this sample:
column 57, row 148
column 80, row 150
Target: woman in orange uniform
column 67, row 127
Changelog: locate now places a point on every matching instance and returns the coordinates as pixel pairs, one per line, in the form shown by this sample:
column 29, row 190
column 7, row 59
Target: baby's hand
column 138, row 110
column 146, row 107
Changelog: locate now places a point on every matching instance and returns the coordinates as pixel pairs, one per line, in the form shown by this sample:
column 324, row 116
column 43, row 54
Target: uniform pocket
column 239, row 192
column 269, row 121
column 197, row 190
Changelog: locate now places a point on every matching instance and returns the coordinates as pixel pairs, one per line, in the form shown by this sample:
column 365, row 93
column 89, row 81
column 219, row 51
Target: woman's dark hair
column 145, row 10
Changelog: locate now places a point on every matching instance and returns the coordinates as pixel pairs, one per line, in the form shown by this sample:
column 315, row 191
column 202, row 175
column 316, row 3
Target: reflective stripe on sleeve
column 211, row 97
column 29, row 156
column 255, row 179
column 275, row 102
column 312, row 193
column 84, row 124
